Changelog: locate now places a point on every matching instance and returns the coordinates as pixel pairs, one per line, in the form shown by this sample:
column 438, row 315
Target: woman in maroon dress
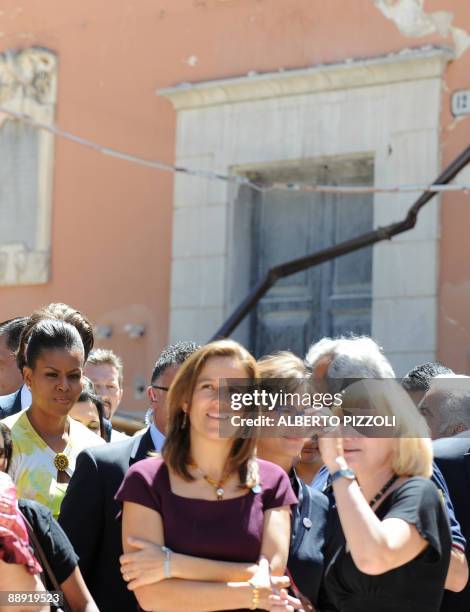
column 212, row 521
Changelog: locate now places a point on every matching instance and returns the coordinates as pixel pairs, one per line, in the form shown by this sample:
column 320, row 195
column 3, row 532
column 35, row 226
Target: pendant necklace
column 383, row 490
column 218, row 485
column 61, row 462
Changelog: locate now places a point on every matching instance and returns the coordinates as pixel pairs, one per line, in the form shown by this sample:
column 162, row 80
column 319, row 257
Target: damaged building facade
column 370, row 93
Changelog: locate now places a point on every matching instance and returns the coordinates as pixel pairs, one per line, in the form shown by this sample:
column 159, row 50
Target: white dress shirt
column 157, row 437
column 26, row 397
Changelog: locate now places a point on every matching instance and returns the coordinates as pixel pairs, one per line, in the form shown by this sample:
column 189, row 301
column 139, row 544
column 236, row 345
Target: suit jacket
column 12, row 406
column 452, row 455
column 88, row 516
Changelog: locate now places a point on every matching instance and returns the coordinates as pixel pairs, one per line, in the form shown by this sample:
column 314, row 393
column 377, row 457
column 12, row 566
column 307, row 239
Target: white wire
column 229, row 178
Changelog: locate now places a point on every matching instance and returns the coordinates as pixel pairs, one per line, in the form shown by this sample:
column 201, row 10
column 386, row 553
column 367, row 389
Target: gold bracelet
column 255, row 600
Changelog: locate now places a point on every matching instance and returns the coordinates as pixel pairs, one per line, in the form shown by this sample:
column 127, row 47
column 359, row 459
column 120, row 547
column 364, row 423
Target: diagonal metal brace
column 343, row 248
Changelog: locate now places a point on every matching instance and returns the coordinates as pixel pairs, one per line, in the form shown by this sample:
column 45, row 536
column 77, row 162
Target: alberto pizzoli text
column 312, row 420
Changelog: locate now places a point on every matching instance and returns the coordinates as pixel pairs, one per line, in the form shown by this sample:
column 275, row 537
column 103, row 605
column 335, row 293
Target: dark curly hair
column 172, row 355
column 50, row 334
column 60, row 312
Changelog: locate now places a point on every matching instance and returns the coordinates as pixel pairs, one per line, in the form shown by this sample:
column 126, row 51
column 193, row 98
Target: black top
column 308, row 522
column 55, row 544
column 417, row 586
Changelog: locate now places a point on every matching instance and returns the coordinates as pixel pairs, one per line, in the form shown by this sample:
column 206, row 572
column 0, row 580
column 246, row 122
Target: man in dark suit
column 88, row 517
column 10, row 404
column 88, row 512
column 14, row 396
column 452, row 455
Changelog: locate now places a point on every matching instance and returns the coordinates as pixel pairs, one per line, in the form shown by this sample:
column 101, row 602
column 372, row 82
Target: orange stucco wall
column 111, row 245
column 454, row 281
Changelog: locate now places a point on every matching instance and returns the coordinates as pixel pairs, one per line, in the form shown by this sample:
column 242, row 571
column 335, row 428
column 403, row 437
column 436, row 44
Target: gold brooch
column 61, row 462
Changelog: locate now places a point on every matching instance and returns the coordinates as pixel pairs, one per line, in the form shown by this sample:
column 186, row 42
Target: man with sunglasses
column 89, row 510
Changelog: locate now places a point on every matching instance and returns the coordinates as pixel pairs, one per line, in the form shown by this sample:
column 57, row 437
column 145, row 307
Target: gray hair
column 350, row 357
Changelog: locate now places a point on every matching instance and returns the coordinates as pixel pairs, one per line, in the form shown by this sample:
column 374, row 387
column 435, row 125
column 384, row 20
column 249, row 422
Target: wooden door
column 331, row 299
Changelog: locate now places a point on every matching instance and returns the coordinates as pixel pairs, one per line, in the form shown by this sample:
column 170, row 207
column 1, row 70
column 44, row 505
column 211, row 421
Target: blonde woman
column 204, row 526
column 393, row 538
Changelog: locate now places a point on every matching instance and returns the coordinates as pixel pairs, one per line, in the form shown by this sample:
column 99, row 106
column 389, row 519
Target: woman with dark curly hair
column 46, row 441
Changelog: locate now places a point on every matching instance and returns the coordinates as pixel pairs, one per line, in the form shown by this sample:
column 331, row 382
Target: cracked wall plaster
column 412, row 21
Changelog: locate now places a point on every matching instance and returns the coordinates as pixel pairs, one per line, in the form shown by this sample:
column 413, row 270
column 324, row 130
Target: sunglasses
column 159, row 387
